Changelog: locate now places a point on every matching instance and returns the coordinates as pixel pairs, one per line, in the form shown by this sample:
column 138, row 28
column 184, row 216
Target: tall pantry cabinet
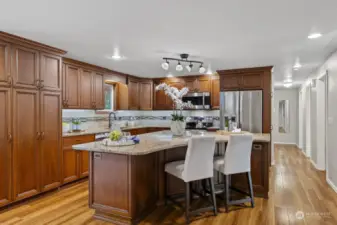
column 30, row 115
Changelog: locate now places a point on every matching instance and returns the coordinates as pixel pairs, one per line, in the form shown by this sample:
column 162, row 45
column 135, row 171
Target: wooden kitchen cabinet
column 215, row 92
column 230, row 82
column 146, row 95
column 25, row 67
column 191, row 83
column 72, row 79
column 87, row 91
column 26, row 135
column 5, row 75
column 203, row 84
column 98, row 87
column 252, row 81
column 75, row 163
column 6, row 140
column 50, row 72
column 122, row 96
column 133, row 86
column 50, row 144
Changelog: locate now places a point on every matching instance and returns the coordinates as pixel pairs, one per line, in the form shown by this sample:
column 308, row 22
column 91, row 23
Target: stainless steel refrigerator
column 243, row 107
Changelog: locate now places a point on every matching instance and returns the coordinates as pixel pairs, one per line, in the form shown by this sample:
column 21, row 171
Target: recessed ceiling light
column 169, row 75
column 288, row 85
column 116, row 57
column 288, row 80
column 314, row 35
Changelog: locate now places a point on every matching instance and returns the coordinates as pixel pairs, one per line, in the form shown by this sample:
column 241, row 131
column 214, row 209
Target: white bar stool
column 236, row 160
column 198, row 165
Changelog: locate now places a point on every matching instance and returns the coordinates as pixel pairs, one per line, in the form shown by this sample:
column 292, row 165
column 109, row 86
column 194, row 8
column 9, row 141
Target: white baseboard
column 317, row 167
column 331, row 184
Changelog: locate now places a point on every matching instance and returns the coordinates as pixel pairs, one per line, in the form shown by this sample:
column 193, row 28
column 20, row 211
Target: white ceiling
column 223, row 34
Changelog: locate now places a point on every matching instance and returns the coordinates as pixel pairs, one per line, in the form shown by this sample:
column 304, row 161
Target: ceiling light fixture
column 179, row 67
column 202, row 69
column 183, row 59
column 116, row 57
column 314, row 35
column 165, row 65
column 189, row 67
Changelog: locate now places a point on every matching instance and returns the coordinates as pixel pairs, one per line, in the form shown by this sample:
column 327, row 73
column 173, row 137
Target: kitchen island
column 127, row 183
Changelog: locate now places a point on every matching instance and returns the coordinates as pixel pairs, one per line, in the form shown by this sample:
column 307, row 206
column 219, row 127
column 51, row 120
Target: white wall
column 290, row 137
column 329, row 67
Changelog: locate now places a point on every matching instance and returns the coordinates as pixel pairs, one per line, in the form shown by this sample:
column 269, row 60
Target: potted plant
column 178, row 124
column 76, row 124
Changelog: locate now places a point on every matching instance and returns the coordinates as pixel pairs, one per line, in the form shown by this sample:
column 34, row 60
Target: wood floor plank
column 297, row 190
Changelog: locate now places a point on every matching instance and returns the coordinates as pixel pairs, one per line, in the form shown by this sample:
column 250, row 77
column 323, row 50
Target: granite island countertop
column 106, row 130
column 158, row 141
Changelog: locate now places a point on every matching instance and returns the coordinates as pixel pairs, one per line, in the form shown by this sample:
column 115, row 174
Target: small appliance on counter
column 199, row 123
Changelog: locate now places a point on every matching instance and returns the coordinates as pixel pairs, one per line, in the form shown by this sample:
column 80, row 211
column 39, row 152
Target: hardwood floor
column 295, row 186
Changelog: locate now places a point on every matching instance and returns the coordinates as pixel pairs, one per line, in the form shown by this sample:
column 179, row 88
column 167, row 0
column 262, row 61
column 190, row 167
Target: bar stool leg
column 187, row 199
column 251, row 193
column 226, row 180
column 211, row 184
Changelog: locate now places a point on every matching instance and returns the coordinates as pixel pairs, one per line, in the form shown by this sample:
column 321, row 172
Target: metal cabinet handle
column 37, row 84
column 257, row 147
column 10, row 138
column 42, row 135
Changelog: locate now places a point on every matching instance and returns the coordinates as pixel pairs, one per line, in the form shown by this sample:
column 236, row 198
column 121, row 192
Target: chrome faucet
column 115, row 118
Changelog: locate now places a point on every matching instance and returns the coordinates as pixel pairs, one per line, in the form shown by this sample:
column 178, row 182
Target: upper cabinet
column 160, row 99
column 72, row 79
column 98, row 90
column 5, row 76
column 146, row 95
column 197, row 83
column 243, row 79
column 83, row 87
column 25, row 67
column 50, row 73
column 215, row 92
column 133, row 86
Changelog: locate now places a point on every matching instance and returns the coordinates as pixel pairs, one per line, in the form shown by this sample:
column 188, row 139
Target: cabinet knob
column 42, row 135
column 37, row 83
column 10, row 80
column 10, row 138
column 41, row 84
column 38, row 135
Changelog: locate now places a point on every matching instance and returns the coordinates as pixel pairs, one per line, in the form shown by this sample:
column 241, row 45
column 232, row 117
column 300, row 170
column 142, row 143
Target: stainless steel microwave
column 200, row 100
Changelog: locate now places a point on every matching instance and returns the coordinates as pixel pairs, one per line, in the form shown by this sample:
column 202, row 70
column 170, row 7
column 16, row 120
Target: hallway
column 295, row 186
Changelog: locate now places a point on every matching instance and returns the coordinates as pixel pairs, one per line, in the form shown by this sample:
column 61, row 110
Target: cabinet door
column 160, row 99
column 83, row 157
column 87, row 90
column 70, row 165
column 26, row 135
column 73, row 87
column 145, row 94
column 5, row 146
column 204, row 84
column 133, row 87
column 25, row 67
column 122, row 97
column 5, row 76
column 252, row 81
column 50, row 148
column 99, row 91
column 230, row 82
column 50, row 73
column 191, row 84
column 215, row 92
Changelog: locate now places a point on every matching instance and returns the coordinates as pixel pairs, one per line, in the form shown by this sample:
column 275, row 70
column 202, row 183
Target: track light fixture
column 183, row 59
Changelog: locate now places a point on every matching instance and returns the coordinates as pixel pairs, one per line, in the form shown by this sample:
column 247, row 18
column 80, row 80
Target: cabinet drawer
column 69, row 141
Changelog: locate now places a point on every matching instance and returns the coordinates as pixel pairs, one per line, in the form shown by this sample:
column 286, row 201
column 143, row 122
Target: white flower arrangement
column 176, row 96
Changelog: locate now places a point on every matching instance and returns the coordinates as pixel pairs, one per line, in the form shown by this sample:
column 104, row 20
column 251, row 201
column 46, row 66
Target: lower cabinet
column 75, row 163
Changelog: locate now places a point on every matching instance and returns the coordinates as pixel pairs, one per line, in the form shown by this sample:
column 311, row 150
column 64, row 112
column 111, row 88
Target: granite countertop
column 105, row 130
column 158, row 141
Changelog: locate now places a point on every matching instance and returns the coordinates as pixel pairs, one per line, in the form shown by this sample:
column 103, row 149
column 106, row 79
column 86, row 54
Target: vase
column 178, row 128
